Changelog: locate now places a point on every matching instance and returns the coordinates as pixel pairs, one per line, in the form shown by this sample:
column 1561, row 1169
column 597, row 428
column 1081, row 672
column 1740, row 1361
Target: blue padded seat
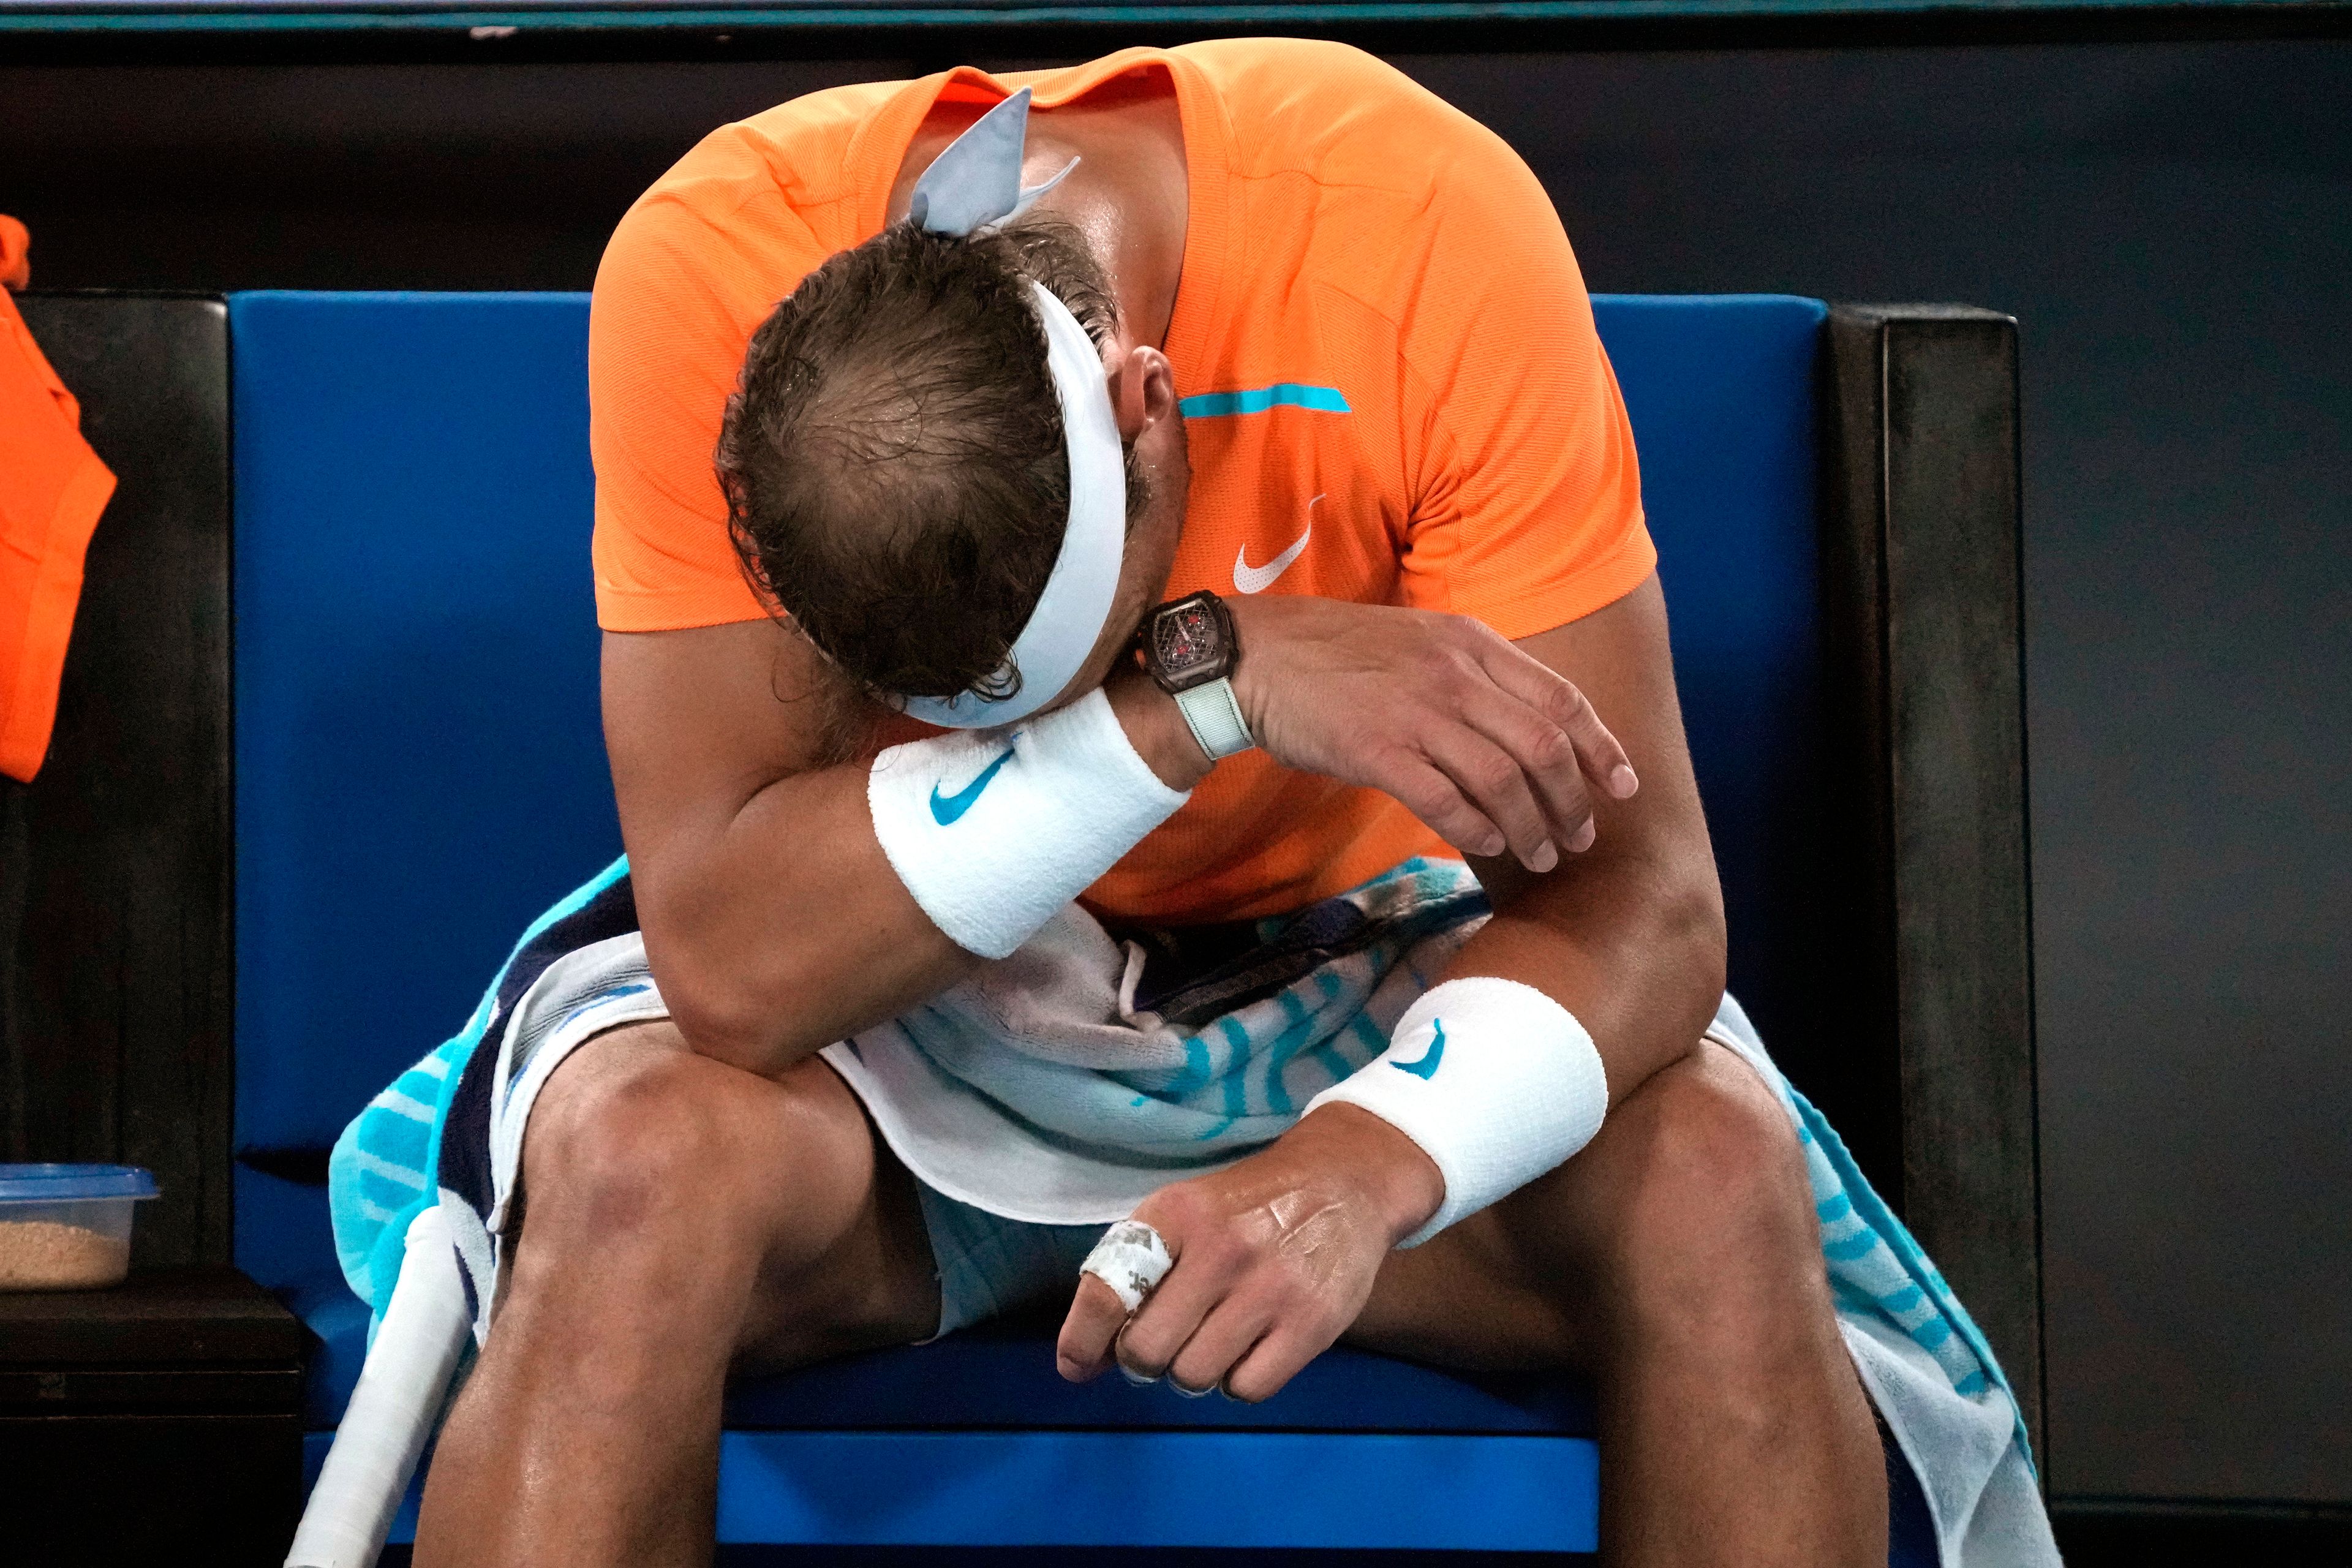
column 420, row 771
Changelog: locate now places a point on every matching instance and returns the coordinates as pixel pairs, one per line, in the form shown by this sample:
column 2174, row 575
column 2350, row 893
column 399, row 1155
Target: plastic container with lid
column 67, row 1227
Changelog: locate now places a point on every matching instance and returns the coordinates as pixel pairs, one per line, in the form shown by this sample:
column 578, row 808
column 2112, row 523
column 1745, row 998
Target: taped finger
column 1130, row 1258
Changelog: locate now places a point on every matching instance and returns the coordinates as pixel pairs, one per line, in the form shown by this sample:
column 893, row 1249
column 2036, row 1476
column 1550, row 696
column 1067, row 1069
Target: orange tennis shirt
column 1384, row 355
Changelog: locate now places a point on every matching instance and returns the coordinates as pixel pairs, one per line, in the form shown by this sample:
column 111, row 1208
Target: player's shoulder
column 1337, row 114
column 1260, row 70
column 802, row 147
column 780, row 179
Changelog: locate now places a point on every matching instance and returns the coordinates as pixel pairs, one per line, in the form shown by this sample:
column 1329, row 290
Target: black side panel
column 1923, row 565
column 115, row 947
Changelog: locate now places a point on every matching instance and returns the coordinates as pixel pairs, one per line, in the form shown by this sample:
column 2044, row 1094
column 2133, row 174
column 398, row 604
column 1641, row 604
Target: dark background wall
column 2172, row 225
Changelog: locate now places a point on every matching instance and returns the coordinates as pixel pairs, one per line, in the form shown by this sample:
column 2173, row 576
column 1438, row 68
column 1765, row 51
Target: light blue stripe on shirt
column 1258, row 399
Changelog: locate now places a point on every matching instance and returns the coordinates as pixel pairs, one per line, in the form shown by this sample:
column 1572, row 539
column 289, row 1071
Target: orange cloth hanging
column 52, row 489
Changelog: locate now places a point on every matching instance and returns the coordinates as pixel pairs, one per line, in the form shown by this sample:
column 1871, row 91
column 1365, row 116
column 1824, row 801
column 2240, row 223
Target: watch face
column 1186, row 640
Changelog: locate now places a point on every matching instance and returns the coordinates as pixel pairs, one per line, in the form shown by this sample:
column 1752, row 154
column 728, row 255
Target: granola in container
column 67, row 1227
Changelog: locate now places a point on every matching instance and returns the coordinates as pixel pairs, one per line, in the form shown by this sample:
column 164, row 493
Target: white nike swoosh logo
column 1249, row 579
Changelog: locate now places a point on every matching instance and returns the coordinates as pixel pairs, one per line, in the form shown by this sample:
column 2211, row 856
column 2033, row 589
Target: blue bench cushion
column 1234, row 1490
column 420, row 769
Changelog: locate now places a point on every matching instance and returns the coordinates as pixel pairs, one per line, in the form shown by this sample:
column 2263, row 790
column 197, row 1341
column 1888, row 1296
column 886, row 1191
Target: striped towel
column 1069, row 1081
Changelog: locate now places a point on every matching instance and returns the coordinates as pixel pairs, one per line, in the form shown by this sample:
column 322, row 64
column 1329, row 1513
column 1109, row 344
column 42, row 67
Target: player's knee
column 1718, row 1223
column 614, row 1143
column 656, row 1147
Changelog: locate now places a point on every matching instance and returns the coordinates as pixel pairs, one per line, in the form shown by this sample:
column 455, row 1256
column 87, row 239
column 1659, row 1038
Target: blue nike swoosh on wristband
column 945, row 809
column 1427, row 1068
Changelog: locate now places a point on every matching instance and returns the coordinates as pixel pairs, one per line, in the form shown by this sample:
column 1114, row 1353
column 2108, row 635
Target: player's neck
column 1129, row 195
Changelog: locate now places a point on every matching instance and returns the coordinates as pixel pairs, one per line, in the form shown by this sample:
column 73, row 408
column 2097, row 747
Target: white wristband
column 994, row 831
column 1496, row 1081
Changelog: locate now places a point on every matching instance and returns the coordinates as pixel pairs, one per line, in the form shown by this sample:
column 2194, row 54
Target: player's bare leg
column 683, row 1217
column 1677, row 1259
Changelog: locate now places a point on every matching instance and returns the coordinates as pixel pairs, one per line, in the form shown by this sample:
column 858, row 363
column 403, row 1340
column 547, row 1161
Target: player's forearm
column 1629, row 938
column 779, row 928
column 1642, row 983
column 1156, row 729
column 784, row 926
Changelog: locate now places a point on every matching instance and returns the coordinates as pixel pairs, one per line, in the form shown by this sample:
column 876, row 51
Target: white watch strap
column 1216, row 719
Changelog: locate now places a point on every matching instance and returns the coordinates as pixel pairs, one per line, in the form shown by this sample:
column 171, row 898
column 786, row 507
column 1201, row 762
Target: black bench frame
column 117, row 950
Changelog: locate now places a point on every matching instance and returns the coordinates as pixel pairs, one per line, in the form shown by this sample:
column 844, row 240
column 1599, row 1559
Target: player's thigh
column 1476, row 1297
column 874, row 1284
column 780, row 1185
column 1699, row 1164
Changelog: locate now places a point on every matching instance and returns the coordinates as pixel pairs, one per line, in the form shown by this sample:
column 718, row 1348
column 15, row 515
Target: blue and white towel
column 1068, row 1082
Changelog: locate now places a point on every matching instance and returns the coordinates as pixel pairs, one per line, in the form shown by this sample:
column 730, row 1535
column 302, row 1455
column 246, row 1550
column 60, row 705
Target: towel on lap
column 1066, row 1083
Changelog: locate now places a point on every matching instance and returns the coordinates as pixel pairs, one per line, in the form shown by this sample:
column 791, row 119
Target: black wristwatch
column 1189, row 647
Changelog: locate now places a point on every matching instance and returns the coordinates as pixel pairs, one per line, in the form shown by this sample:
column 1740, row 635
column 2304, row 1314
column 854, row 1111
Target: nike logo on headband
column 1249, row 579
column 946, row 809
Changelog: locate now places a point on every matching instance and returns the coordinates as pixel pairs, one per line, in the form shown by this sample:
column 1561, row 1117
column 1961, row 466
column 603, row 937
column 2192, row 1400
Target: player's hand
column 1488, row 746
column 1275, row 1256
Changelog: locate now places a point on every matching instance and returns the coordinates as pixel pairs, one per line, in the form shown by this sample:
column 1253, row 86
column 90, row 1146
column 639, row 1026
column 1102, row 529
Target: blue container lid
column 64, row 1184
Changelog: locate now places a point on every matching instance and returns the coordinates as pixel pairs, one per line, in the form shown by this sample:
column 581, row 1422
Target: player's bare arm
column 776, row 924
column 1284, row 1246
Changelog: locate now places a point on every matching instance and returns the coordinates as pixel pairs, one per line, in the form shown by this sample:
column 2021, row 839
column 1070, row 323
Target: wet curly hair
column 893, row 460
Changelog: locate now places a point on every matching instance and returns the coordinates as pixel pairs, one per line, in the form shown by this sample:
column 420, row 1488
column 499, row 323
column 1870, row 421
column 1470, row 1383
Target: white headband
column 971, row 187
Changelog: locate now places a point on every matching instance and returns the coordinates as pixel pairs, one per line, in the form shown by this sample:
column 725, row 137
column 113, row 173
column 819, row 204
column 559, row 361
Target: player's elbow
column 718, row 1020
column 724, row 1007
column 1688, row 912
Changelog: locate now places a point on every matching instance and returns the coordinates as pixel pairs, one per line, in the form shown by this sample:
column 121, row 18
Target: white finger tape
column 1130, row 1258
